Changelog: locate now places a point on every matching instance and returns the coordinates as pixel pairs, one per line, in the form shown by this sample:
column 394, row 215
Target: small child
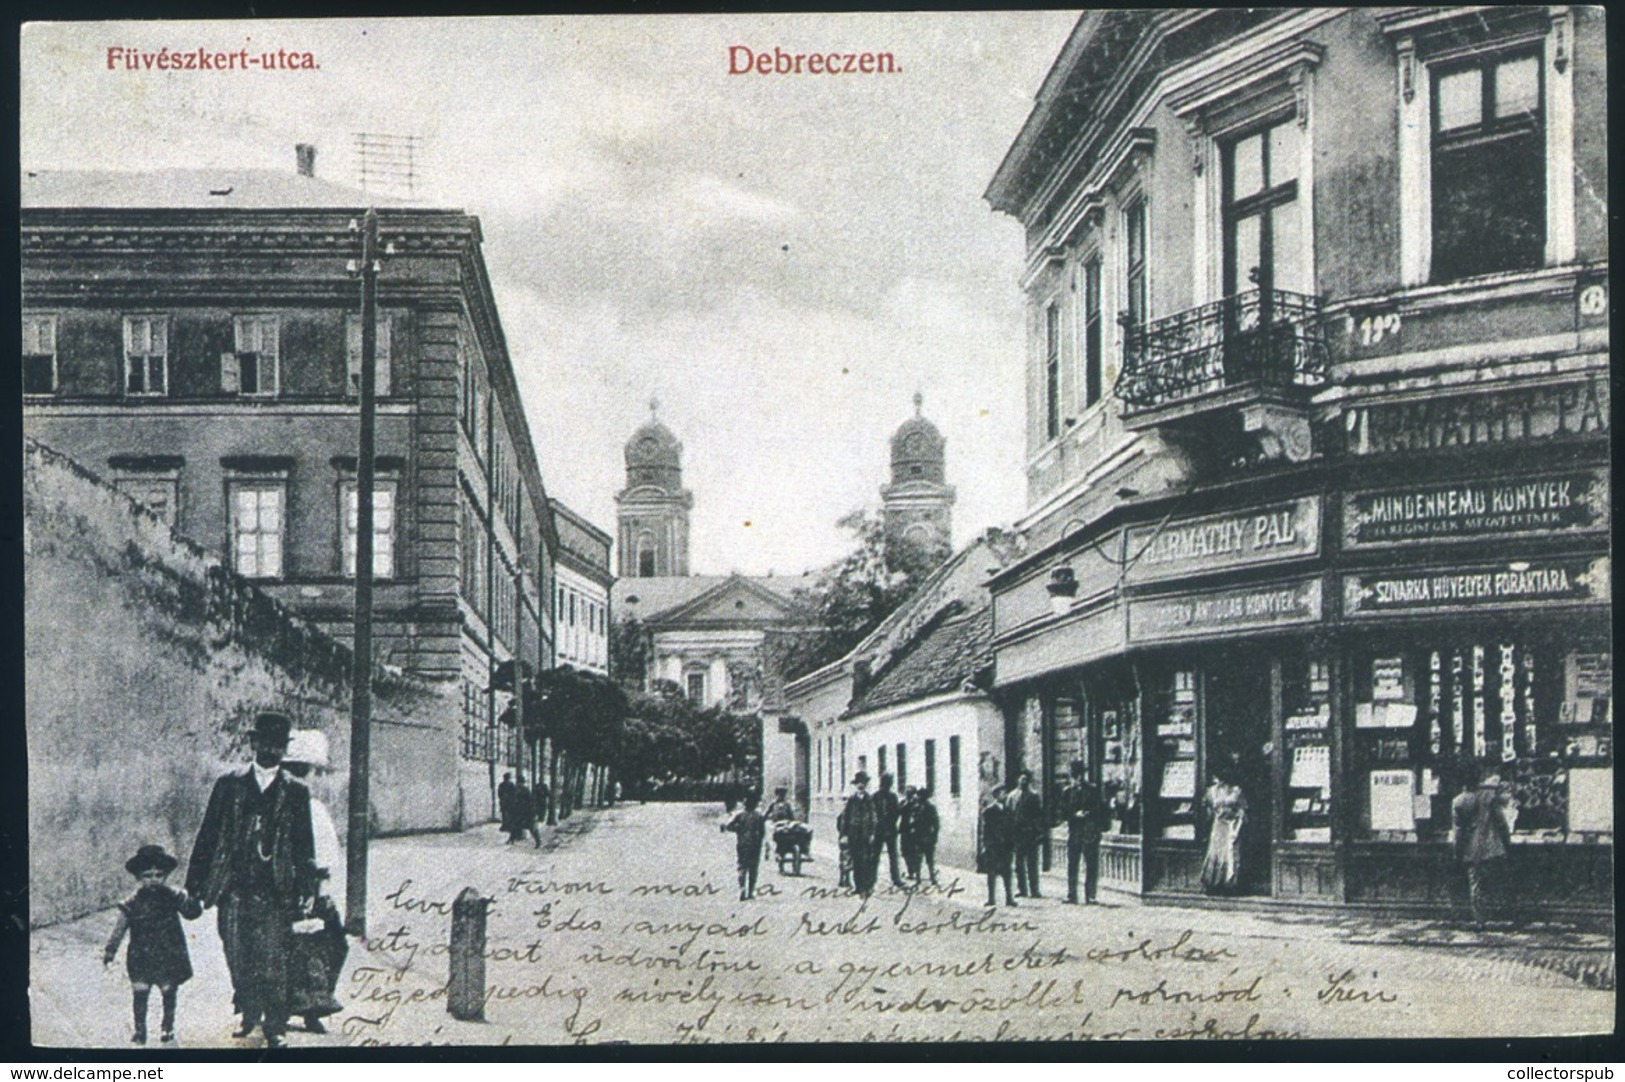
column 157, row 954
column 751, row 829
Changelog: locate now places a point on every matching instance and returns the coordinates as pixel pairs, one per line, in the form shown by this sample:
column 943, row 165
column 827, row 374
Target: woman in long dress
column 1227, row 811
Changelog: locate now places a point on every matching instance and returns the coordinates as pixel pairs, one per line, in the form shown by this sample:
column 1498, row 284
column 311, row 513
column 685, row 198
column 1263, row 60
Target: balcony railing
column 1266, row 339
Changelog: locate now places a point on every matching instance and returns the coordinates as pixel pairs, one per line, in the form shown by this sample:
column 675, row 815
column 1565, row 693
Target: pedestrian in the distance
column 860, row 826
column 1028, row 811
column 1483, row 836
column 1085, row 813
column 997, row 844
column 254, row 859
column 749, row 829
column 888, row 809
column 907, row 835
column 541, row 804
column 927, row 828
column 524, row 814
column 157, row 957
column 505, row 794
column 319, row 944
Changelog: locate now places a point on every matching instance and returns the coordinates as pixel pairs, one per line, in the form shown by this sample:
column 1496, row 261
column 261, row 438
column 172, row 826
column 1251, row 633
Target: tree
column 629, row 652
column 852, row 596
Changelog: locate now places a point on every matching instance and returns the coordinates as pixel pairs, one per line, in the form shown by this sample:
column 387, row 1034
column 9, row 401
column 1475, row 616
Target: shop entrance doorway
column 1238, row 750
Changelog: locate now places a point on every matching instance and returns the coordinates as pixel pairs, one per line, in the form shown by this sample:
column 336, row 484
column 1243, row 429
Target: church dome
column 654, row 456
column 917, row 449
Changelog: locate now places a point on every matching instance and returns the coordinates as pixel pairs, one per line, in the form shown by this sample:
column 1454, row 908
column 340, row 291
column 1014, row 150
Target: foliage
column 853, row 595
column 629, row 652
column 667, row 738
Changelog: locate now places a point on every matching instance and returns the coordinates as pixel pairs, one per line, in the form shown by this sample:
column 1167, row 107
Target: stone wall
column 145, row 663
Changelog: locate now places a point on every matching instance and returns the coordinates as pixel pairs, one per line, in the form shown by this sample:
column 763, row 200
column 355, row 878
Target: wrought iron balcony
column 1266, row 341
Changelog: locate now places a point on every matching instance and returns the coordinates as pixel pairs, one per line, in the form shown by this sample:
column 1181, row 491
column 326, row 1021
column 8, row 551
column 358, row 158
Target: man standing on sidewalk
column 1483, row 839
column 888, row 810
column 1085, row 814
column 859, row 826
column 1027, row 814
column 255, row 858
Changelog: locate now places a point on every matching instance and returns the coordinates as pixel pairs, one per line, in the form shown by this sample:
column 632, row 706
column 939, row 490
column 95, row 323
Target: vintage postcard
column 909, row 527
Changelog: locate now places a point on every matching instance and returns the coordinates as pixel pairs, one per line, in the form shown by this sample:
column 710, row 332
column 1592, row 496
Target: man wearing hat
column 254, row 859
column 860, row 823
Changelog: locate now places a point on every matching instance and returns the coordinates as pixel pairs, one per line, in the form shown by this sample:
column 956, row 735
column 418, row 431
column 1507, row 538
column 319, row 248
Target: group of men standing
column 870, row 823
column 1012, row 830
column 520, row 808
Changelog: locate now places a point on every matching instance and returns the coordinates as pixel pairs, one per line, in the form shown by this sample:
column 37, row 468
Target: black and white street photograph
column 766, row 529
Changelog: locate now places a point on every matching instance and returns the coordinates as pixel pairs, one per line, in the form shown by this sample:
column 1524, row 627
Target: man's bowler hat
column 149, row 857
column 860, row 778
column 271, row 727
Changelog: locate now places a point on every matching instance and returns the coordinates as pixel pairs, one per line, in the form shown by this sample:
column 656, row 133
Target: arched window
column 646, row 555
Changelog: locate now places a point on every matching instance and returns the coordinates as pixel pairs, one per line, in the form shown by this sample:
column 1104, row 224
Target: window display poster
column 1388, row 680
column 1591, row 799
column 1391, row 805
column 1311, row 767
column 1179, row 778
column 1587, row 698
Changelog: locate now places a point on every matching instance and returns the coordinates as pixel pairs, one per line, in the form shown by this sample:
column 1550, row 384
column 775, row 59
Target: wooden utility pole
column 361, row 680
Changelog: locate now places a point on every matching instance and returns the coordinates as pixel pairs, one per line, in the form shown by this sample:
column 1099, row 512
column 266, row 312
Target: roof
column 942, row 659
column 661, row 594
column 184, row 189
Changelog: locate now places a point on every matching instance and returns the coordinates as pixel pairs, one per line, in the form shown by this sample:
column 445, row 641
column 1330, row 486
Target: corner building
column 1318, row 444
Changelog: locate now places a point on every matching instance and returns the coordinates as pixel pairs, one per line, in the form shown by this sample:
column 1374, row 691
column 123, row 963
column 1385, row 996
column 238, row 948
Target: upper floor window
column 158, row 493
column 382, row 355
column 39, row 355
column 257, row 527
column 383, row 528
column 252, row 368
column 696, row 688
column 1137, row 295
column 1052, row 372
column 1263, row 232
column 1488, row 166
column 1092, row 361
column 146, row 355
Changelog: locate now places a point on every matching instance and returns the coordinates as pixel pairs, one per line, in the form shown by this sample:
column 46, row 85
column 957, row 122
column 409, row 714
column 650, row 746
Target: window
column 696, row 688
column 146, row 355
column 843, row 776
column 1263, row 236
column 39, row 355
column 383, row 528
column 252, row 369
column 953, row 766
column 880, row 758
column 1136, row 296
column 902, row 766
column 1052, row 372
column 646, row 556
column 1488, row 166
column 930, row 766
column 1091, row 333
column 352, row 337
column 256, row 528
column 158, row 494
column 572, row 610
column 818, row 762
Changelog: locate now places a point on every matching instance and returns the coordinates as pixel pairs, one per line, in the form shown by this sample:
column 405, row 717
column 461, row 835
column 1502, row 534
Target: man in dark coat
column 888, row 810
column 1085, row 813
column 1482, row 841
column 1027, row 811
column 524, row 815
column 255, row 860
column 860, row 825
column 993, row 852
column 505, row 795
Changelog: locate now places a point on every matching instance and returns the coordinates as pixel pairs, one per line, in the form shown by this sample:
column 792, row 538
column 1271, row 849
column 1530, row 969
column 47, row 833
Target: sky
column 781, row 261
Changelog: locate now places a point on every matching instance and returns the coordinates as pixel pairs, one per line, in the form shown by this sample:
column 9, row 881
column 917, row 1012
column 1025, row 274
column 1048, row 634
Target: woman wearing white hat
column 316, row 969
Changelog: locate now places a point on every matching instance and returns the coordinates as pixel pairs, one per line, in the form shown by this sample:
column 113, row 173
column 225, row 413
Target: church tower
column 652, row 540
column 917, row 504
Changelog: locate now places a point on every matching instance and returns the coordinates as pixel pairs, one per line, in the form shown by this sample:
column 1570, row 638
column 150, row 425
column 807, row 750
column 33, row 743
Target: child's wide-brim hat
column 150, row 857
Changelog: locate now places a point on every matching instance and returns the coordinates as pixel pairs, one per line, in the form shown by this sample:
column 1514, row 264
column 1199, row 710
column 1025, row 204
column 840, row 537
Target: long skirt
column 1221, row 867
column 257, row 935
column 313, row 972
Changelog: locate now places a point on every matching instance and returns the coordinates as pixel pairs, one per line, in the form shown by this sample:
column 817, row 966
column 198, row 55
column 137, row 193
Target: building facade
column 582, row 584
column 1318, row 443
column 194, row 338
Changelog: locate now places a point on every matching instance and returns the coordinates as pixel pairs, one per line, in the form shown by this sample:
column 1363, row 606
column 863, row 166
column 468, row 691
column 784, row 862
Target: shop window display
column 1174, row 722
column 1120, row 765
column 1425, row 718
column 1306, row 697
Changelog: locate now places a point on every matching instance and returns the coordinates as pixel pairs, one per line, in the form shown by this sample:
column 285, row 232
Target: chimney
column 306, row 155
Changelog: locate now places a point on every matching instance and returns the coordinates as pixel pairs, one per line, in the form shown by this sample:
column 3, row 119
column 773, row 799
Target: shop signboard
column 1221, row 612
column 1520, row 583
column 1538, row 506
column 1233, row 539
column 1524, row 415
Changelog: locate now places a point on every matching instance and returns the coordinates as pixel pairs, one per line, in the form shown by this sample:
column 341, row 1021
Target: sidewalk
column 1584, row 956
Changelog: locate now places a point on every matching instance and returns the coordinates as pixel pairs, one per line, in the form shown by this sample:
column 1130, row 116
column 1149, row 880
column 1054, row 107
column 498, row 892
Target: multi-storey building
column 1318, row 414
column 194, row 337
column 581, row 592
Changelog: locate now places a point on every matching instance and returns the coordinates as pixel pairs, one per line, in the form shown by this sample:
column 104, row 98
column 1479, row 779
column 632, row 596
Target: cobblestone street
column 627, row 927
